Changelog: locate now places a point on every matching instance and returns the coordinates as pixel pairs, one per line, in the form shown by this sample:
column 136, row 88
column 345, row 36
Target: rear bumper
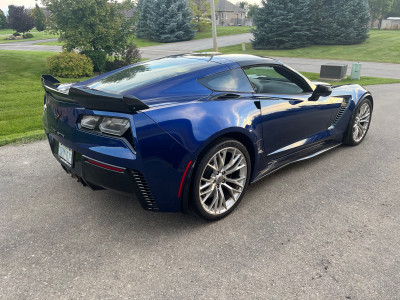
column 152, row 160
column 98, row 174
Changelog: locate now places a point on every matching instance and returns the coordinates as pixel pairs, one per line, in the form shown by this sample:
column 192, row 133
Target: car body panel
column 161, row 149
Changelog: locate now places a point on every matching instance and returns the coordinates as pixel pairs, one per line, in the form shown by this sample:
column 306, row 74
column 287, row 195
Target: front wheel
column 221, row 179
column 359, row 124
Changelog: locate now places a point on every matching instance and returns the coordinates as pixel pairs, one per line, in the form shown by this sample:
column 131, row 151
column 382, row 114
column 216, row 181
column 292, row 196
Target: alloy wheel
column 223, row 180
column 361, row 122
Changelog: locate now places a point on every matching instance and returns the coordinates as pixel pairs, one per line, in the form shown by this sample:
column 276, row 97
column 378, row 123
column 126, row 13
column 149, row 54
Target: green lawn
column 21, row 93
column 6, row 31
column 36, row 36
column 365, row 80
column 221, row 31
column 382, row 46
column 55, row 43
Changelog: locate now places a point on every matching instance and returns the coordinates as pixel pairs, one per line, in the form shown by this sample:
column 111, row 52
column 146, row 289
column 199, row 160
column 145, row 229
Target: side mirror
column 320, row 91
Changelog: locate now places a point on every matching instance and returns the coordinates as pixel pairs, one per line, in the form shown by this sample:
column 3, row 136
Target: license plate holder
column 65, row 154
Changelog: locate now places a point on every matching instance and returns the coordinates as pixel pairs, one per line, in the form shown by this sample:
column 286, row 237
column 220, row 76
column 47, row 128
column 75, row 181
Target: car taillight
column 89, row 122
column 114, row 126
column 108, row 125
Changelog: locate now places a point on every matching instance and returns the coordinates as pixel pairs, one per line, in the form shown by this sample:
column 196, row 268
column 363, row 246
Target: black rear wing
column 92, row 99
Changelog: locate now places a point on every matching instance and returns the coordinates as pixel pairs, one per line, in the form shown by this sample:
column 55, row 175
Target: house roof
column 226, row 6
column 393, row 18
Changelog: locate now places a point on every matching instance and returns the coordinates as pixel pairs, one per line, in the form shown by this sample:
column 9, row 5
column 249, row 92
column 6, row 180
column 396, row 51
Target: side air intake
column 145, row 195
column 345, row 104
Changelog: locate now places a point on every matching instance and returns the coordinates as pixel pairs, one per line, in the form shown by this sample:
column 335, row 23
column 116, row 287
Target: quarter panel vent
column 145, row 195
column 345, row 105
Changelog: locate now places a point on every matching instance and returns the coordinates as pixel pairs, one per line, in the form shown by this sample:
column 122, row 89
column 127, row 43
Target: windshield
column 147, row 73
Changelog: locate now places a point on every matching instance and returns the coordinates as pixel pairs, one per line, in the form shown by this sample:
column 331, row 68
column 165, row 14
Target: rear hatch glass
column 148, row 73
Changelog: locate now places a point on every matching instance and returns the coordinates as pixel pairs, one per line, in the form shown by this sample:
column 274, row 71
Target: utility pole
column 214, row 26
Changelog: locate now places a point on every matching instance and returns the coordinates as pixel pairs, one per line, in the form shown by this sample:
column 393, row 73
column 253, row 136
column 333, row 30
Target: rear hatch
column 91, row 99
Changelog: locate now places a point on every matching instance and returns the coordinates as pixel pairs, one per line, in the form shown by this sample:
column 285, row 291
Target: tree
column 97, row 25
column 341, row 22
column 379, row 9
column 283, row 24
column 39, row 18
column 201, row 11
column 253, row 8
column 145, row 8
column 243, row 4
column 18, row 19
column 169, row 21
column 3, row 20
column 395, row 11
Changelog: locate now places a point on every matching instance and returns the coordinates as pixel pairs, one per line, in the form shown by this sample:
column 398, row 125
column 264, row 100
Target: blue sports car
column 191, row 132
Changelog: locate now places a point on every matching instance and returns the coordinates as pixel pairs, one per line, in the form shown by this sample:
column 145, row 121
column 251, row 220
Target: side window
column 228, row 81
column 275, row 80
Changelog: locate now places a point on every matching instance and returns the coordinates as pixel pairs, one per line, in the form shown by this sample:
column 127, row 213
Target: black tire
column 221, row 145
column 349, row 138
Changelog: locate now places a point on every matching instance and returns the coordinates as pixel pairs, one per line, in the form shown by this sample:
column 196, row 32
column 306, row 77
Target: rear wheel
column 221, row 179
column 360, row 122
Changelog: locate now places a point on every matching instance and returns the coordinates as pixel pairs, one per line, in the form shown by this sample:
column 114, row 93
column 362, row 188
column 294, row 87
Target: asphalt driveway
column 326, row 228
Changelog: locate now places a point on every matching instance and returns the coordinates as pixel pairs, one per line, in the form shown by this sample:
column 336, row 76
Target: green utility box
column 355, row 71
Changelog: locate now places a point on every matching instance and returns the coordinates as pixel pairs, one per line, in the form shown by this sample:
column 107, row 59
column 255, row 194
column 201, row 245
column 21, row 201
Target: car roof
column 242, row 60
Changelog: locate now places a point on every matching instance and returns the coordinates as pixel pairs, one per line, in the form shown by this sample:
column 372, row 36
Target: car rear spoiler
column 92, row 99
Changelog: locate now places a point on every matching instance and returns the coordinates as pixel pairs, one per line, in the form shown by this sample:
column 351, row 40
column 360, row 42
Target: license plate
column 65, row 154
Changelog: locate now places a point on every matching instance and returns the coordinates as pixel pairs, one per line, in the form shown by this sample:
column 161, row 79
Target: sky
column 31, row 3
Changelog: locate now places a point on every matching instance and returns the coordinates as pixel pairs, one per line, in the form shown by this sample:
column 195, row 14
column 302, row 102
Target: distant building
column 391, row 23
column 44, row 9
column 229, row 14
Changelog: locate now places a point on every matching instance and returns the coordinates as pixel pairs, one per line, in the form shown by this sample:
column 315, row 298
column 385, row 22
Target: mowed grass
column 8, row 31
column 365, row 80
column 221, row 31
column 55, row 43
column 36, row 36
column 21, row 95
column 381, row 46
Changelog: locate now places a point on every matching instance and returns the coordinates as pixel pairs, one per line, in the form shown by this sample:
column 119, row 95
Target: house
column 391, row 23
column 229, row 14
column 44, row 9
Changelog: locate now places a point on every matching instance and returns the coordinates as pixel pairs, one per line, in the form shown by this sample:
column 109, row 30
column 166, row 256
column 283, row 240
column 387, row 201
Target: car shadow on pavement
column 114, row 209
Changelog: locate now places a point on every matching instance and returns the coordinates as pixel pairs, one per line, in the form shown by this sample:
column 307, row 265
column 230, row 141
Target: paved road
column 30, row 46
column 326, row 228
column 301, row 64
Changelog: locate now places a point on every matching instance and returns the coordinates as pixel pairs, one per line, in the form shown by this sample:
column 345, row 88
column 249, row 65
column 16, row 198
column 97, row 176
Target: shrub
column 283, row 24
column 69, row 64
column 28, row 35
column 115, row 64
column 349, row 22
column 98, row 58
column 16, row 33
column 130, row 54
